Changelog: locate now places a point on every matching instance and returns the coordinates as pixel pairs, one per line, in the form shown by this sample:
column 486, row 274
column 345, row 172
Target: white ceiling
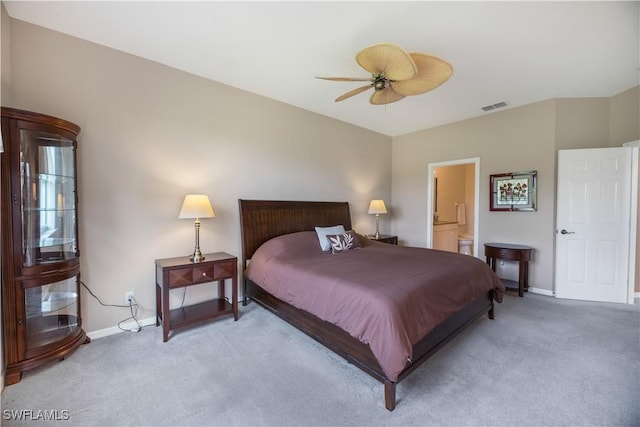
column 517, row 52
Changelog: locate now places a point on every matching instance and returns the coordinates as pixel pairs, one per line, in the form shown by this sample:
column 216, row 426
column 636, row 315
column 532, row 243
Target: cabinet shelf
column 55, row 176
column 70, row 209
column 49, row 241
column 51, row 328
column 200, row 312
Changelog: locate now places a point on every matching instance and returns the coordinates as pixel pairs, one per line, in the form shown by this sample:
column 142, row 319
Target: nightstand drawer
column 224, row 270
column 187, row 276
column 507, row 254
column 203, row 273
column 180, row 277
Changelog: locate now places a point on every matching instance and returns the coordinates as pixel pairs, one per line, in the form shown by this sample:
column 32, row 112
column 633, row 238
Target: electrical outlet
column 128, row 297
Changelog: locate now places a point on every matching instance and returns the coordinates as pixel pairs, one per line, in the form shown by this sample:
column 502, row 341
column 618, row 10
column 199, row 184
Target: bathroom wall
column 451, row 190
column 456, row 184
column 469, row 198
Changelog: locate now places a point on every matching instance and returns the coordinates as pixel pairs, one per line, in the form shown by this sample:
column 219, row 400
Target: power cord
column 132, row 306
column 184, row 294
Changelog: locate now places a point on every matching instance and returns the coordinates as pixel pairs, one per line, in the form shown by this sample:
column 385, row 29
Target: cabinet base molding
column 14, row 371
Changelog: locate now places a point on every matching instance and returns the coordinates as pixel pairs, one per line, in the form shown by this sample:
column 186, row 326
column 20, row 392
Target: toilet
column 465, row 244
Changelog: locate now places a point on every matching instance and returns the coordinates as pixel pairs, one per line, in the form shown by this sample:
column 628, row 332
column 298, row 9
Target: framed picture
column 515, row 191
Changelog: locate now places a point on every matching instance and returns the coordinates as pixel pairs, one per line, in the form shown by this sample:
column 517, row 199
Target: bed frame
column 261, row 220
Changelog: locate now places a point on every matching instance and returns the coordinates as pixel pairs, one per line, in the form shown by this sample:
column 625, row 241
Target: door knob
column 563, row 231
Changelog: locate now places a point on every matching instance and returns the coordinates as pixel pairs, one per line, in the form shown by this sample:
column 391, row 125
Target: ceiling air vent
column 494, row 106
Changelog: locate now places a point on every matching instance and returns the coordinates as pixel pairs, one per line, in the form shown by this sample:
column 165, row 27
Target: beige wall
column 582, row 123
column 624, row 116
column 518, row 139
column 5, row 64
column 151, row 134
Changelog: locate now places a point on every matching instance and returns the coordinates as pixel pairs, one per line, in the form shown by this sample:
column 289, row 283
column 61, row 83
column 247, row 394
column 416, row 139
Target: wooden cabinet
column 40, row 255
column 180, row 272
column 445, row 237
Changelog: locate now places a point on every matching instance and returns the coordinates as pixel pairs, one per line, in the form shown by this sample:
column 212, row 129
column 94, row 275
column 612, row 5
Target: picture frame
column 513, row 191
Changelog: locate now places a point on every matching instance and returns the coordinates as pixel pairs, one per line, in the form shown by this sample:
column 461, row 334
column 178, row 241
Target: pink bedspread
column 384, row 295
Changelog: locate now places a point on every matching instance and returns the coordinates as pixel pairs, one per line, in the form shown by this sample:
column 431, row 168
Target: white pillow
column 323, row 232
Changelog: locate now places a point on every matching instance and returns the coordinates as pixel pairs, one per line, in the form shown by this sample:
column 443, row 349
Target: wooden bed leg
column 491, row 314
column 390, row 395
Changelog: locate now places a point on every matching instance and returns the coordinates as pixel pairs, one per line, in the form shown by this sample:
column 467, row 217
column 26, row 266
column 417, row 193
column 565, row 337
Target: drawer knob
column 204, row 274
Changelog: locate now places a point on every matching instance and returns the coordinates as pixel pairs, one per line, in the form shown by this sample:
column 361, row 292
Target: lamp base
column 197, row 256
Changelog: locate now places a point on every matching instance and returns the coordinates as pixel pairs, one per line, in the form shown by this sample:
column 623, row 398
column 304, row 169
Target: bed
column 307, row 289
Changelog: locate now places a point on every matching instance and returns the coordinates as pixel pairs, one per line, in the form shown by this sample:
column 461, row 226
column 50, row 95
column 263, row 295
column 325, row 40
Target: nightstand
column 385, row 238
column 520, row 253
column 173, row 273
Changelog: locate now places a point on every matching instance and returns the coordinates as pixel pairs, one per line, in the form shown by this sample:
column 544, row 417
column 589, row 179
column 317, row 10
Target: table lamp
column 196, row 206
column 377, row 207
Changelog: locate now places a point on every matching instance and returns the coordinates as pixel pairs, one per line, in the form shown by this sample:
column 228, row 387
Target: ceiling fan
column 395, row 73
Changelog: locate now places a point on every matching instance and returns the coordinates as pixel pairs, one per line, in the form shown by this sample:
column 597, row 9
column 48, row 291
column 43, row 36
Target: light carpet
column 541, row 362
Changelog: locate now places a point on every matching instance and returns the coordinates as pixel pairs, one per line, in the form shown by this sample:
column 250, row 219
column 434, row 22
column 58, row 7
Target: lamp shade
column 196, row 206
column 377, row 207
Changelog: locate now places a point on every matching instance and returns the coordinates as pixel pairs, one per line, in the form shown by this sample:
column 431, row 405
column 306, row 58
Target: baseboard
column 541, row 291
column 552, row 293
column 130, row 325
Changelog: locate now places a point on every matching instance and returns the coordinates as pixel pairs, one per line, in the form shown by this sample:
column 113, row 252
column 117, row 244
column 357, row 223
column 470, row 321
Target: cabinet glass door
column 52, row 312
column 47, row 171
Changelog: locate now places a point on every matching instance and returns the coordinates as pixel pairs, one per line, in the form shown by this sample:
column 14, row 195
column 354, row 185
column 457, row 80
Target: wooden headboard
column 261, row 220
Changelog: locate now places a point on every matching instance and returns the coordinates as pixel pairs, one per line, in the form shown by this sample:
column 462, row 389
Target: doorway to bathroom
column 452, row 205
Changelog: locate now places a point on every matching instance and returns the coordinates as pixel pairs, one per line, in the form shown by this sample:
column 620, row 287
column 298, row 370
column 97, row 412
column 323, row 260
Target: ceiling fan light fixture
column 396, row 74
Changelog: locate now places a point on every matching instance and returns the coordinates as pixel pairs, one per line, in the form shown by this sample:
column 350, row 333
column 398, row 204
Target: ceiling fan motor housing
column 380, row 82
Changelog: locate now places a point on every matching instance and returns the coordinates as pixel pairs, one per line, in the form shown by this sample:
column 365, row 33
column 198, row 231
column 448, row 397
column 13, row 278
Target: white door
column 593, row 224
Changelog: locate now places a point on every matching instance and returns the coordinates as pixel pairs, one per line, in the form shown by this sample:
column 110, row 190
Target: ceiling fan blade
column 385, row 96
column 388, row 59
column 432, row 72
column 353, row 92
column 347, row 79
